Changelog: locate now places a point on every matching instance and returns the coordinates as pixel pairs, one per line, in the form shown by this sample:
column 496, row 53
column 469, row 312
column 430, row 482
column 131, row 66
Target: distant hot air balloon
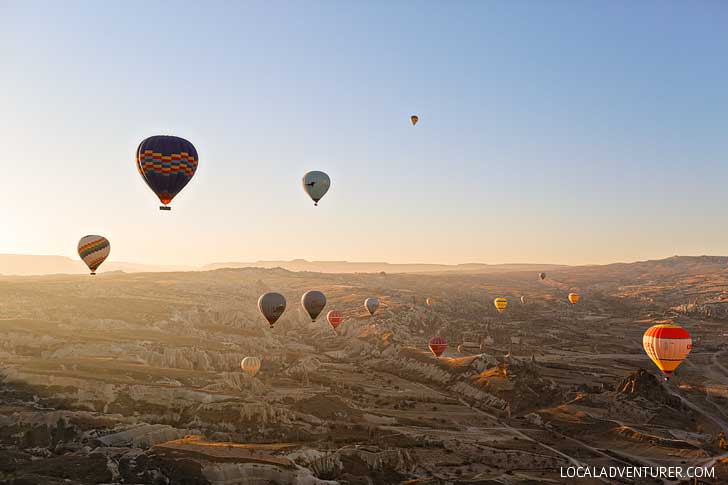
column 438, row 345
column 313, row 302
column 250, row 365
column 430, row 302
column 93, row 251
column 542, row 276
column 335, row 317
column 167, row 164
column 500, row 304
column 523, row 299
column 414, row 119
column 574, row 298
column 667, row 345
column 316, row 184
column 272, row 305
column 371, row 304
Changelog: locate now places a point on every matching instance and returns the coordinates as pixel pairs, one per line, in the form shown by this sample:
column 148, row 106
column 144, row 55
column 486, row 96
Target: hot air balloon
column 313, row 302
column 250, row 365
column 438, row 345
column 414, row 119
column 542, row 276
column 272, row 305
column 371, row 305
column 93, row 251
column 667, row 345
column 429, row 302
column 316, row 184
column 500, row 304
column 335, row 317
column 523, row 300
column 574, row 298
column 167, row 164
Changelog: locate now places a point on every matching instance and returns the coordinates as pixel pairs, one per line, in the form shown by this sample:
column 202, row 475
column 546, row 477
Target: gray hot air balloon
column 371, row 305
column 316, row 184
column 272, row 305
column 313, row 302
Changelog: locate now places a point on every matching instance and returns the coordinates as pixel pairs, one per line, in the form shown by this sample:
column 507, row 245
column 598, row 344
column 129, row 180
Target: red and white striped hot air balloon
column 438, row 345
column 335, row 317
column 667, row 345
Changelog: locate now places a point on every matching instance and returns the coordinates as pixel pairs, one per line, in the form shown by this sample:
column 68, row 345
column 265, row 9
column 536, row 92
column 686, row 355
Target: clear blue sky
column 566, row 132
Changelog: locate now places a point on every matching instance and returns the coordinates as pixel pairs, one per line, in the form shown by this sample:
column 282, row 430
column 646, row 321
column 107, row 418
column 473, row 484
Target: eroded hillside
column 135, row 378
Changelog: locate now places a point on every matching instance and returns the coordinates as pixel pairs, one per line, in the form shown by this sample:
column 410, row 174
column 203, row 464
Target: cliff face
column 642, row 384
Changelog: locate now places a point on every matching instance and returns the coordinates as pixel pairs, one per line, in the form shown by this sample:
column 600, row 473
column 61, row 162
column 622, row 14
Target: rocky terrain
column 135, row 378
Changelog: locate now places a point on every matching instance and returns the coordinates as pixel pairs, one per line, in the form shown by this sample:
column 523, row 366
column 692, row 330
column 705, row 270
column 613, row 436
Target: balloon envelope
column 316, row 184
column 250, row 365
column 667, row 345
column 414, row 119
column 371, row 305
column 94, row 250
column 500, row 304
column 272, row 305
column 430, row 301
column 523, row 300
column 313, row 302
column 438, row 345
column 542, row 276
column 574, row 298
column 335, row 317
column 167, row 164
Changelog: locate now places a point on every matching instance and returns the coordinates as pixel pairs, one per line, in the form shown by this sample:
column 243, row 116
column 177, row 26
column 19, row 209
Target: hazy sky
column 565, row 132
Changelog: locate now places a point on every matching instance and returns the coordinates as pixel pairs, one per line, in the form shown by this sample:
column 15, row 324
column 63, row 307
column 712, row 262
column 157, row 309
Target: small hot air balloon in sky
column 574, row 298
column 429, row 302
column 250, row 365
column 93, row 251
column 667, row 345
column 523, row 299
column 316, row 184
column 335, row 317
column 438, row 345
column 414, row 119
column 272, row 305
column 500, row 304
column 542, row 276
column 313, row 302
column 167, row 164
column 371, row 304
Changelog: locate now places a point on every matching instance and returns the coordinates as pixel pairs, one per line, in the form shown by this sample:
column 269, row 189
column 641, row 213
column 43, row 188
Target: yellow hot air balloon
column 574, row 298
column 667, row 345
column 500, row 304
column 250, row 365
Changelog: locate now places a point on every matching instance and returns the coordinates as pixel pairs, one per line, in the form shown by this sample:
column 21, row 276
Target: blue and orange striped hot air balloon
column 667, row 345
column 94, row 250
column 167, row 164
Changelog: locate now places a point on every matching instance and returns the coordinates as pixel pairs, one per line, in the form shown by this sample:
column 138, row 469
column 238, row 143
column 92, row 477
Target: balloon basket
column 165, row 208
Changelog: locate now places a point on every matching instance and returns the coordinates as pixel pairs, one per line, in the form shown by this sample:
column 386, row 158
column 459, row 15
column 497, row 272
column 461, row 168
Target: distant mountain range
column 26, row 265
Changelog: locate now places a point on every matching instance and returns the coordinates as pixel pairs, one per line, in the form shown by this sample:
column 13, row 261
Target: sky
column 550, row 132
